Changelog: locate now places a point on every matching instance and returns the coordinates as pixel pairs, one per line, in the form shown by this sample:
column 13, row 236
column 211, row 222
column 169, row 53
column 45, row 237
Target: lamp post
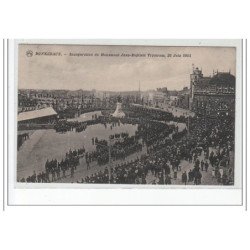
column 188, row 125
column 205, row 116
column 147, row 137
column 109, row 167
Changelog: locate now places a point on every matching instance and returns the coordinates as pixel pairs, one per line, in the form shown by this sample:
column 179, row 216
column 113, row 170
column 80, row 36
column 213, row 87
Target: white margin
column 75, row 194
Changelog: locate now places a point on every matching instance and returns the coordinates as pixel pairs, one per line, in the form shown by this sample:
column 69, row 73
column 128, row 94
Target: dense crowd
column 149, row 113
column 167, row 147
column 64, row 126
column 121, row 146
column 136, row 171
column 165, row 155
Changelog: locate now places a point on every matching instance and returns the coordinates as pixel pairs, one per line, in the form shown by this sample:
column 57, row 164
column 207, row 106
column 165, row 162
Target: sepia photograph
column 126, row 114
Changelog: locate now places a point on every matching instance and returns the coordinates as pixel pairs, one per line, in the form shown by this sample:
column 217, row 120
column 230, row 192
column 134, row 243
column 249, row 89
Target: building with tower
column 212, row 95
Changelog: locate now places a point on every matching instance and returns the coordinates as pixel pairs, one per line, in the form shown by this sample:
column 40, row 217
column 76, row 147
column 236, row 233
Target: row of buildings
column 58, row 99
column 207, row 95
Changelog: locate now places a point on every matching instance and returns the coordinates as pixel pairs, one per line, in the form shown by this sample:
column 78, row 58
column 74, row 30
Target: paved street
column 207, row 178
column 48, row 144
column 176, row 111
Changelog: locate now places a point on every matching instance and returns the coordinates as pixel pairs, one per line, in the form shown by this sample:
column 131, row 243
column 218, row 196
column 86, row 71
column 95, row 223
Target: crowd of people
column 64, row 126
column 154, row 135
column 149, row 113
column 119, row 147
column 206, row 145
column 212, row 139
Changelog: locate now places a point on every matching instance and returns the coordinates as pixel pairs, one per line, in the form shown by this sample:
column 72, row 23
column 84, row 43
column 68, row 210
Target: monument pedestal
column 118, row 112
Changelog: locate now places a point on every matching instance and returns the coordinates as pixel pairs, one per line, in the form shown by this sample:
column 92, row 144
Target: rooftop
column 29, row 115
column 223, row 78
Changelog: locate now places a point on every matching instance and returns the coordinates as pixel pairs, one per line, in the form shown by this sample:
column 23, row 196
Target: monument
column 118, row 112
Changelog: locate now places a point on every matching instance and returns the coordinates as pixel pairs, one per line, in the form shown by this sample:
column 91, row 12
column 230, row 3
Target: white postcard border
column 96, row 194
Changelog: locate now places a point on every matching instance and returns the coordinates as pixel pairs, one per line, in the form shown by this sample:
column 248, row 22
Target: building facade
column 213, row 95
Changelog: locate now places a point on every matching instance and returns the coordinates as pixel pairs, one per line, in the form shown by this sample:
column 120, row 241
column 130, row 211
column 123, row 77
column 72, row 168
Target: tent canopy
column 34, row 114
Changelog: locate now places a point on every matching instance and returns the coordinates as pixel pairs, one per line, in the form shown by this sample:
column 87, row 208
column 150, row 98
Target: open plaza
column 135, row 145
column 159, row 137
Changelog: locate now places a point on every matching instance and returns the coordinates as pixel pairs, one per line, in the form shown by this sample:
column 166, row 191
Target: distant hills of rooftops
column 80, row 92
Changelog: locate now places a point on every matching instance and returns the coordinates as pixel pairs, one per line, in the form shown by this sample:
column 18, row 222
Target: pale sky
column 117, row 73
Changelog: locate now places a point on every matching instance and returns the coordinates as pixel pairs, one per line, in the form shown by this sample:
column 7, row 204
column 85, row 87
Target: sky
column 83, row 67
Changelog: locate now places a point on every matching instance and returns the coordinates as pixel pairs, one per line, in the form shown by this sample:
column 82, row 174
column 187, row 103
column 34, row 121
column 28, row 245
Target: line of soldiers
column 56, row 170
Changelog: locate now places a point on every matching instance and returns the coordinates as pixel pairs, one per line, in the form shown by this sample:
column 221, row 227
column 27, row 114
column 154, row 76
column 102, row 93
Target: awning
column 34, row 114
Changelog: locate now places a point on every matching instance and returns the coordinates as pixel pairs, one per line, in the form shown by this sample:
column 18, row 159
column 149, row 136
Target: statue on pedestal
column 118, row 112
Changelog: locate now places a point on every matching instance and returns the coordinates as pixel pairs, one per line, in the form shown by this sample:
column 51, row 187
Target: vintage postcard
column 126, row 114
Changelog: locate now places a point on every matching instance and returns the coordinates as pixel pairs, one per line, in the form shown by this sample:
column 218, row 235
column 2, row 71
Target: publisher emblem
column 29, row 53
